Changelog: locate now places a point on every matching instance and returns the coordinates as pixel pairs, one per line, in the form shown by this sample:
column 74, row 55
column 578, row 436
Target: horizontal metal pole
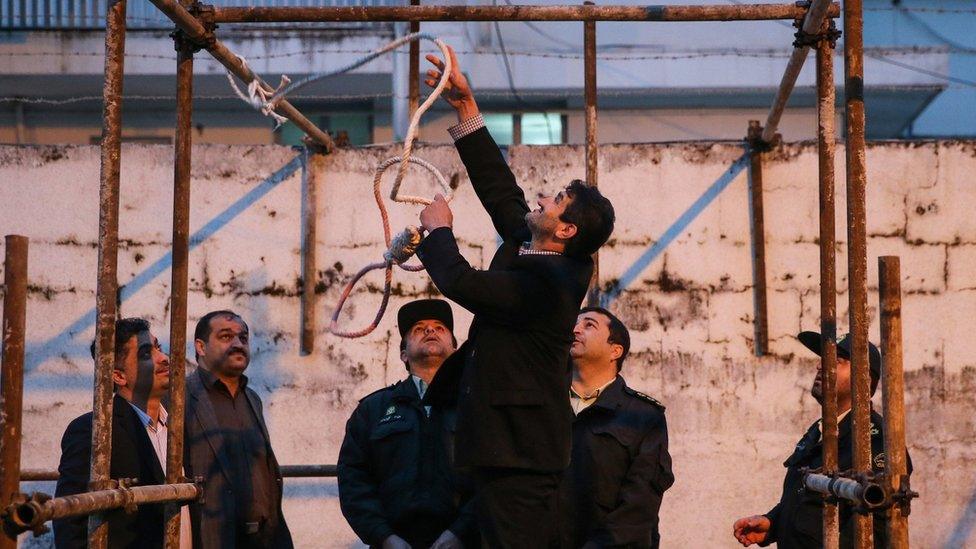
column 35, row 475
column 869, row 495
column 196, row 32
column 310, row 14
column 31, row 514
column 812, row 22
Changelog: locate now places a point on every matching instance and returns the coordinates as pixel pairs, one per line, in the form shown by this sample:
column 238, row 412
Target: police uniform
column 619, row 471
column 395, row 472
column 797, row 520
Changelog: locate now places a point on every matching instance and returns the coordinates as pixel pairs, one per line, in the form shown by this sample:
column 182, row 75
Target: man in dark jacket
column 620, row 469
column 397, row 486
column 227, row 443
column 797, row 520
column 514, row 421
column 141, row 378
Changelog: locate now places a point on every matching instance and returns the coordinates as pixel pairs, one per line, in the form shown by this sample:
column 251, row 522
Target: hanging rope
column 401, row 247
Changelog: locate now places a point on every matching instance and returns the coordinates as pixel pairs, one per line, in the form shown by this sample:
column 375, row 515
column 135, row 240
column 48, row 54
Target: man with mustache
column 227, row 443
column 797, row 520
column 514, row 421
column 397, row 486
column 141, row 378
column 620, row 469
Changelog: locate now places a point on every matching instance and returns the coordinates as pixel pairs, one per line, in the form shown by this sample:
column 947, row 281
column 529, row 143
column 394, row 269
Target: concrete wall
column 680, row 256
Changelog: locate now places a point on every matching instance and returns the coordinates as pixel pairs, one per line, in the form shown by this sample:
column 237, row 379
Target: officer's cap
column 424, row 309
column 812, row 341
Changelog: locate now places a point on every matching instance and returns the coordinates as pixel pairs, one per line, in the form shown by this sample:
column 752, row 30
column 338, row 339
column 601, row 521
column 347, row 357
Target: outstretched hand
column 457, row 92
column 437, row 214
column 751, row 530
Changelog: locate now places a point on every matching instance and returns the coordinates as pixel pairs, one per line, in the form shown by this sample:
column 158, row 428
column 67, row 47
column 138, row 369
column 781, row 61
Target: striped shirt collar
column 525, row 249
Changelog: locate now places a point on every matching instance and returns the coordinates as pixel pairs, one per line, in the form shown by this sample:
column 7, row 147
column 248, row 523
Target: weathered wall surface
column 680, row 259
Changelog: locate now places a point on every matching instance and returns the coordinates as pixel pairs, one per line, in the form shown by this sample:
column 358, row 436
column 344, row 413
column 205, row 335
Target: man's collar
column 526, row 249
column 604, row 395
column 210, row 380
column 144, row 417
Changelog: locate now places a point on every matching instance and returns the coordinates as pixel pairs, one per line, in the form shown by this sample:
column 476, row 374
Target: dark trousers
column 516, row 508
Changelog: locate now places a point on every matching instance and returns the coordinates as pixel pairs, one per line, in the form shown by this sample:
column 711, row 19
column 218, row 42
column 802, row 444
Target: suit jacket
column 511, row 374
column 132, row 457
column 612, row 492
column 796, row 521
column 215, row 521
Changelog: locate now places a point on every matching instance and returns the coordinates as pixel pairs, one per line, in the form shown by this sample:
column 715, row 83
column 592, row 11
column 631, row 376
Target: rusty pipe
column 743, row 12
column 31, row 513
column 893, row 393
column 592, row 148
column 292, row 471
column 195, row 30
column 108, row 257
column 867, row 494
column 812, row 21
column 12, row 371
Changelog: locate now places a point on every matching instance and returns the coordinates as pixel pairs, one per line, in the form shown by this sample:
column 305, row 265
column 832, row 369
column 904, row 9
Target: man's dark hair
column 125, row 328
column 619, row 335
column 593, row 216
column 203, row 329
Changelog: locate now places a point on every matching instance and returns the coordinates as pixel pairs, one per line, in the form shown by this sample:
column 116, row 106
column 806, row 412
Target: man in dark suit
column 227, row 443
column 796, row 522
column 397, row 486
column 620, row 469
column 514, row 420
column 141, row 378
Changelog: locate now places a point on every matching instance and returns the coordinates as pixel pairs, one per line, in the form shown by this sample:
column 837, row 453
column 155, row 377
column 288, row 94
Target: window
column 345, row 128
column 537, row 128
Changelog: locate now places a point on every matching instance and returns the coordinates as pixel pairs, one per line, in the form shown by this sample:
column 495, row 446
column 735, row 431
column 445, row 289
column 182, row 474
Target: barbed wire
column 388, row 95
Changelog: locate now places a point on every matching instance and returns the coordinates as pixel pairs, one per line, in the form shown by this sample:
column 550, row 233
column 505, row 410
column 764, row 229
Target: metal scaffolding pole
column 757, row 221
column 31, row 514
column 826, row 141
column 414, row 101
column 592, row 149
column 811, row 25
column 310, row 170
column 108, row 241
column 180, row 275
column 744, row 12
column 857, row 252
column 199, row 34
column 291, row 471
column 12, row 371
column 893, row 394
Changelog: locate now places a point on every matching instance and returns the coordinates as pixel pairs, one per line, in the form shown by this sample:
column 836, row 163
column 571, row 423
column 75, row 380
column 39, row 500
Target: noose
column 400, row 248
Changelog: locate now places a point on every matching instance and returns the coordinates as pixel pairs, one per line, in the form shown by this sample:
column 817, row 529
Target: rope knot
column 404, row 245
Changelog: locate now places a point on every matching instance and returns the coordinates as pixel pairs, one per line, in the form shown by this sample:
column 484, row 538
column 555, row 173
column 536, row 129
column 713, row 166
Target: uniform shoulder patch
column 646, row 398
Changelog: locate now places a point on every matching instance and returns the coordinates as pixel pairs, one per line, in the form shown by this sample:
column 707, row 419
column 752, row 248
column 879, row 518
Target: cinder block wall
column 680, row 259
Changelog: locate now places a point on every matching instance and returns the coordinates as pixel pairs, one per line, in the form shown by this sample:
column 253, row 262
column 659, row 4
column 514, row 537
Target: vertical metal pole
column 309, row 228
column 517, row 129
column 180, row 274
column 108, row 241
column 893, row 392
column 12, row 371
column 857, row 250
column 589, row 79
column 414, row 100
column 758, row 226
column 828, row 279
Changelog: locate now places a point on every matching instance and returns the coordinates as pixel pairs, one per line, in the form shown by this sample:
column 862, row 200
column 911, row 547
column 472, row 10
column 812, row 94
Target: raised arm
column 490, row 175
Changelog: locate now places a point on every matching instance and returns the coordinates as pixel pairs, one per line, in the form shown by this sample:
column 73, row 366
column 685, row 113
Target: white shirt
column 421, row 390
column 582, row 402
column 157, row 437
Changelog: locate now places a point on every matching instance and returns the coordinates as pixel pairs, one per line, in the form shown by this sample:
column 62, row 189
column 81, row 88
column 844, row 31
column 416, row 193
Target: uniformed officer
column 620, row 466
column 797, row 520
column 397, row 487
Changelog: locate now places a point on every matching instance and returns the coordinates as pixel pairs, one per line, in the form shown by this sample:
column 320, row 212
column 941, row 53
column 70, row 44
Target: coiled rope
column 401, row 247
